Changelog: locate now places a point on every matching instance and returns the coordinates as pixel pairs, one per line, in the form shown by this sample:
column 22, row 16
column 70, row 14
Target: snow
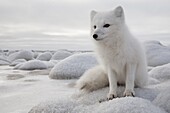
column 73, row 66
column 60, row 55
column 161, row 72
column 46, row 56
column 18, row 61
column 20, row 95
column 163, row 100
column 32, row 91
column 157, row 54
column 4, row 60
column 23, row 54
column 122, row 105
column 31, row 65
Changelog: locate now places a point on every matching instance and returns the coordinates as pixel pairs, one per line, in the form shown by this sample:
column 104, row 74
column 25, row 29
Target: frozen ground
column 31, row 90
column 20, row 95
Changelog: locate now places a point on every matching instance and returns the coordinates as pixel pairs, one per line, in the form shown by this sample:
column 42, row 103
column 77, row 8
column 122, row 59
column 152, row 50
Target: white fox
column 121, row 57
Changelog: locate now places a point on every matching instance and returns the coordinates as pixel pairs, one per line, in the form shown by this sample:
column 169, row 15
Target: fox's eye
column 94, row 26
column 106, row 25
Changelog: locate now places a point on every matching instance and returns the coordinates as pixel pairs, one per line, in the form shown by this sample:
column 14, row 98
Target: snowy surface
column 20, row 95
column 32, row 91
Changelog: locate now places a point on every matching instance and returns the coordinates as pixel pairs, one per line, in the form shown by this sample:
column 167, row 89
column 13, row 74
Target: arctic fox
column 121, row 57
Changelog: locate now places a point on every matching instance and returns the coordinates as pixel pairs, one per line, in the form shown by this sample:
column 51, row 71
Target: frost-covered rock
column 46, row 56
column 31, row 65
column 60, row 55
column 11, row 52
column 24, row 54
column 73, row 66
column 35, row 54
column 4, row 60
column 163, row 100
column 161, row 72
column 18, row 61
column 51, row 63
column 157, row 54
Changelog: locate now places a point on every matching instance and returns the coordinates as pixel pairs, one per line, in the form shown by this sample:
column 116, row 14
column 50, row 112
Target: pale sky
column 57, row 24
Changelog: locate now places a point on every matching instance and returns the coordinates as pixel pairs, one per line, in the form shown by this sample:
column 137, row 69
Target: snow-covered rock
column 18, row 61
column 51, row 63
column 163, row 100
column 161, row 72
column 35, row 54
column 73, row 66
column 31, row 65
column 157, row 54
column 4, row 60
column 46, row 56
column 24, row 54
column 118, row 105
column 60, row 55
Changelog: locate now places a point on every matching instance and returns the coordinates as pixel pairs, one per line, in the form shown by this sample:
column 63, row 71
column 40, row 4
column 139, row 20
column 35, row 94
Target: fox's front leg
column 130, row 80
column 112, row 84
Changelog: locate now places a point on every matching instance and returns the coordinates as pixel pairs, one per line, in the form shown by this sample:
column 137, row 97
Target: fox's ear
column 92, row 14
column 119, row 11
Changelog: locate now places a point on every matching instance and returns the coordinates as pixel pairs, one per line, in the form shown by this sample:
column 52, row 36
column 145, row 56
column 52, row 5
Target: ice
column 73, row 66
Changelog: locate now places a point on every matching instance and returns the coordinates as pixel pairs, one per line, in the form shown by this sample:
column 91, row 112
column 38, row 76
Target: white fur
column 121, row 56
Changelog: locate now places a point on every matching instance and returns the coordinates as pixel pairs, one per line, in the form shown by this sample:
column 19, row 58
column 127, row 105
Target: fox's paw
column 111, row 96
column 129, row 93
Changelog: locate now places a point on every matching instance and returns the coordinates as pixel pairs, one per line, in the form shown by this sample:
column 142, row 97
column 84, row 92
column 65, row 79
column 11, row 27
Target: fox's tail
column 93, row 79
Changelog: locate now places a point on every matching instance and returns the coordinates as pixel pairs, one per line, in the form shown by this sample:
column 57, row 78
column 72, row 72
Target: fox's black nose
column 95, row 36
